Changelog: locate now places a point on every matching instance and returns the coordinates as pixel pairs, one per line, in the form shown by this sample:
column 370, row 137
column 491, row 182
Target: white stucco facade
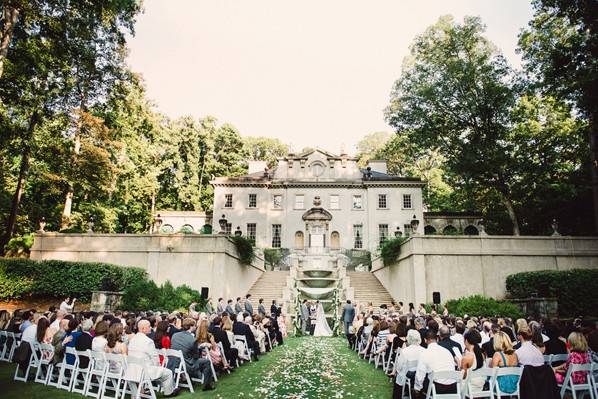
column 283, row 196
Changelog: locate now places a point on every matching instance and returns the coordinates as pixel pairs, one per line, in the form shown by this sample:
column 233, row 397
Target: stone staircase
column 269, row 286
column 367, row 288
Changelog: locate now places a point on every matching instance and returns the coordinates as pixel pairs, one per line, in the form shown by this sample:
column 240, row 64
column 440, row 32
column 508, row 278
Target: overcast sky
column 311, row 73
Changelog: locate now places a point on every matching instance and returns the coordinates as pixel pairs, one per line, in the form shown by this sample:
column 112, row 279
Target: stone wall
column 459, row 266
column 196, row 260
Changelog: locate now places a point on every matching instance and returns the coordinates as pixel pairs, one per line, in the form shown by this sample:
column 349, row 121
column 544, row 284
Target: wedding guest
column 241, row 328
column 173, row 324
column 473, row 359
column 196, row 366
column 229, row 307
column 458, row 336
column 206, row 340
column 434, row 358
column 59, row 340
column 161, row 337
column 222, row 337
column 59, row 316
column 27, row 318
column 99, row 342
column 115, row 345
column 220, row 306
column 528, row 354
column 261, row 309
column 142, row 347
column 505, row 356
column 248, row 304
column 209, row 306
column 411, row 353
column 578, row 354
column 446, row 342
column 238, row 308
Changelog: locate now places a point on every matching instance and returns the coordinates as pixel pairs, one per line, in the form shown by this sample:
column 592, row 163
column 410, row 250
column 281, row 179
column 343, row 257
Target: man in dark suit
column 238, row 308
column 240, row 328
column 172, row 329
column 348, row 316
column 274, row 309
column 447, row 343
column 220, row 336
column 196, row 365
column 488, row 347
column 248, row 305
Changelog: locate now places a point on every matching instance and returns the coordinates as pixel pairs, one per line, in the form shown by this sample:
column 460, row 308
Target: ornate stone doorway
column 317, row 222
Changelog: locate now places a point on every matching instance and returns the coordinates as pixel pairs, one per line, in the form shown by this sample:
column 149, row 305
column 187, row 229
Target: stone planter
column 538, row 307
column 105, row 301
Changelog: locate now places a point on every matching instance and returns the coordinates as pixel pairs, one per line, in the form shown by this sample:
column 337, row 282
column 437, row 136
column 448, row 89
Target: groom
column 304, row 317
column 348, row 316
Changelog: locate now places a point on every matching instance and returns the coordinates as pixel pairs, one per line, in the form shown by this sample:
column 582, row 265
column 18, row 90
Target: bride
column 322, row 329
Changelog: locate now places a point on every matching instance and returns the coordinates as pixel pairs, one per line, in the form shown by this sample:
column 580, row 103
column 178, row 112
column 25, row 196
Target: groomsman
column 348, row 316
column 248, row 305
column 220, row 306
column 261, row 309
column 238, row 308
column 229, row 307
column 304, row 317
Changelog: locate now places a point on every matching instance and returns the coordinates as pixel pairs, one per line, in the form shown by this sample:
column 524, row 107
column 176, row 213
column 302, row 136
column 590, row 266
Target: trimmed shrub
column 391, row 249
column 20, row 278
column 19, row 246
column 478, row 305
column 574, row 289
column 146, row 295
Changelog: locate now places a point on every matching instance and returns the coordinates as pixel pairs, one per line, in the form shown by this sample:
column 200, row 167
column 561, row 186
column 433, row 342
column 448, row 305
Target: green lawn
column 302, row 368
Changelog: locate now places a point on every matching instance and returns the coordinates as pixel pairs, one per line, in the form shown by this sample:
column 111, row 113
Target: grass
column 304, row 367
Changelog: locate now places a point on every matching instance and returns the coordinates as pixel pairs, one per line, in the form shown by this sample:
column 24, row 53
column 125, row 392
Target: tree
column 560, row 48
column 455, row 96
column 265, row 149
column 369, row 145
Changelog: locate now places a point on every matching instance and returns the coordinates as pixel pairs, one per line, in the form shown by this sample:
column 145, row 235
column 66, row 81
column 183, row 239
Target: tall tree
column 454, row 96
column 369, row 145
column 265, row 149
column 560, row 49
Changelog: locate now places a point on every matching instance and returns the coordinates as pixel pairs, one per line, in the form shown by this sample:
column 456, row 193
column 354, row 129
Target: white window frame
column 251, row 234
column 338, row 202
column 408, row 197
column 249, row 201
column 358, row 244
column 302, row 196
column 274, row 206
column 382, row 233
column 383, row 197
column 228, row 201
column 355, row 196
column 278, row 243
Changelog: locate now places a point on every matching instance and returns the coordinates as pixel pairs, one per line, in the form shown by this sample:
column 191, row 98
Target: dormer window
column 317, row 169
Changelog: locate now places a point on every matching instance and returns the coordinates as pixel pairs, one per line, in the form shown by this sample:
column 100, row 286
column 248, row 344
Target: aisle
column 306, row 368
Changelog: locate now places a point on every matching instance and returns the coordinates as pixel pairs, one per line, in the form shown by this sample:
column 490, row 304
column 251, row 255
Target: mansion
column 318, row 200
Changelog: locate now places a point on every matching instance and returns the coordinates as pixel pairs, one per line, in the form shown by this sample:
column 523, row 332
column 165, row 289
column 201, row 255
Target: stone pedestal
column 105, row 301
column 538, row 307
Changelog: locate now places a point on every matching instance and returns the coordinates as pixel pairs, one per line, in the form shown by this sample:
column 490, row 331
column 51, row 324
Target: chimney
column 378, row 165
column 257, row 166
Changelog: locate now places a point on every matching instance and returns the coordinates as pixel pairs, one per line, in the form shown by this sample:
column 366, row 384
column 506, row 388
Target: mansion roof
column 319, row 168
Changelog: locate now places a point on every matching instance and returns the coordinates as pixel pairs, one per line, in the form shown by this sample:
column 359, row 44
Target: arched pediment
column 317, row 214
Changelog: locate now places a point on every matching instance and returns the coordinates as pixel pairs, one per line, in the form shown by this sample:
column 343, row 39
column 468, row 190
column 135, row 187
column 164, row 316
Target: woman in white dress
column 322, row 328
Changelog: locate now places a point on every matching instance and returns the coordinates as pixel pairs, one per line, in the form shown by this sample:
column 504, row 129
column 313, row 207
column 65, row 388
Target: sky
column 312, row 73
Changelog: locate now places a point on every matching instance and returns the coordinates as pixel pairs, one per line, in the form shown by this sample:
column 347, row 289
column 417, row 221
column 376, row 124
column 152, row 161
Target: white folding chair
column 489, row 375
column 15, row 341
column 33, row 362
column 562, row 358
column 46, row 353
column 209, row 358
column 97, row 370
column 136, row 380
column 180, row 371
column 504, row 371
column 221, row 350
column 380, row 357
column 412, row 364
column 5, row 351
column 113, row 375
column 241, row 338
column 392, row 359
column 456, row 376
column 67, row 371
column 570, row 387
column 81, row 374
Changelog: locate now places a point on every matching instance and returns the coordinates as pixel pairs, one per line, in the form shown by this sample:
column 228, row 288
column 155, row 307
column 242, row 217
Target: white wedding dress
column 322, row 329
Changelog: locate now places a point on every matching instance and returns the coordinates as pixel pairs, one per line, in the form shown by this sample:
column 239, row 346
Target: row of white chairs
column 104, row 372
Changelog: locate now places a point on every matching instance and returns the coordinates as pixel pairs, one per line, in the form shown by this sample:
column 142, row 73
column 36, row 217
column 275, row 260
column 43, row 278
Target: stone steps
column 269, row 286
column 367, row 288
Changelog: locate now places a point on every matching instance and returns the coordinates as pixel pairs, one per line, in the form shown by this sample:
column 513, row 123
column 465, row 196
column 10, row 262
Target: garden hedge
column 576, row 290
column 478, row 305
column 21, row 278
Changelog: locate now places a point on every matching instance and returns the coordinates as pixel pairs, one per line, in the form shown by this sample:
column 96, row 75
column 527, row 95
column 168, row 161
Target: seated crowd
column 200, row 336
column 414, row 344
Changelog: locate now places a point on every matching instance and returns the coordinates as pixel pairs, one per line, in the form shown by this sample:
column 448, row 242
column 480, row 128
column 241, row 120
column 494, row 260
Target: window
column 357, row 202
column 228, row 229
column 252, row 201
column 299, row 201
column 334, row 202
column 382, row 233
column 357, row 236
column 228, row 200
column 382, row 201
column 407, row 201
column 407, row 229
column 277, row 201
column 276, row 232
column 251, row 231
